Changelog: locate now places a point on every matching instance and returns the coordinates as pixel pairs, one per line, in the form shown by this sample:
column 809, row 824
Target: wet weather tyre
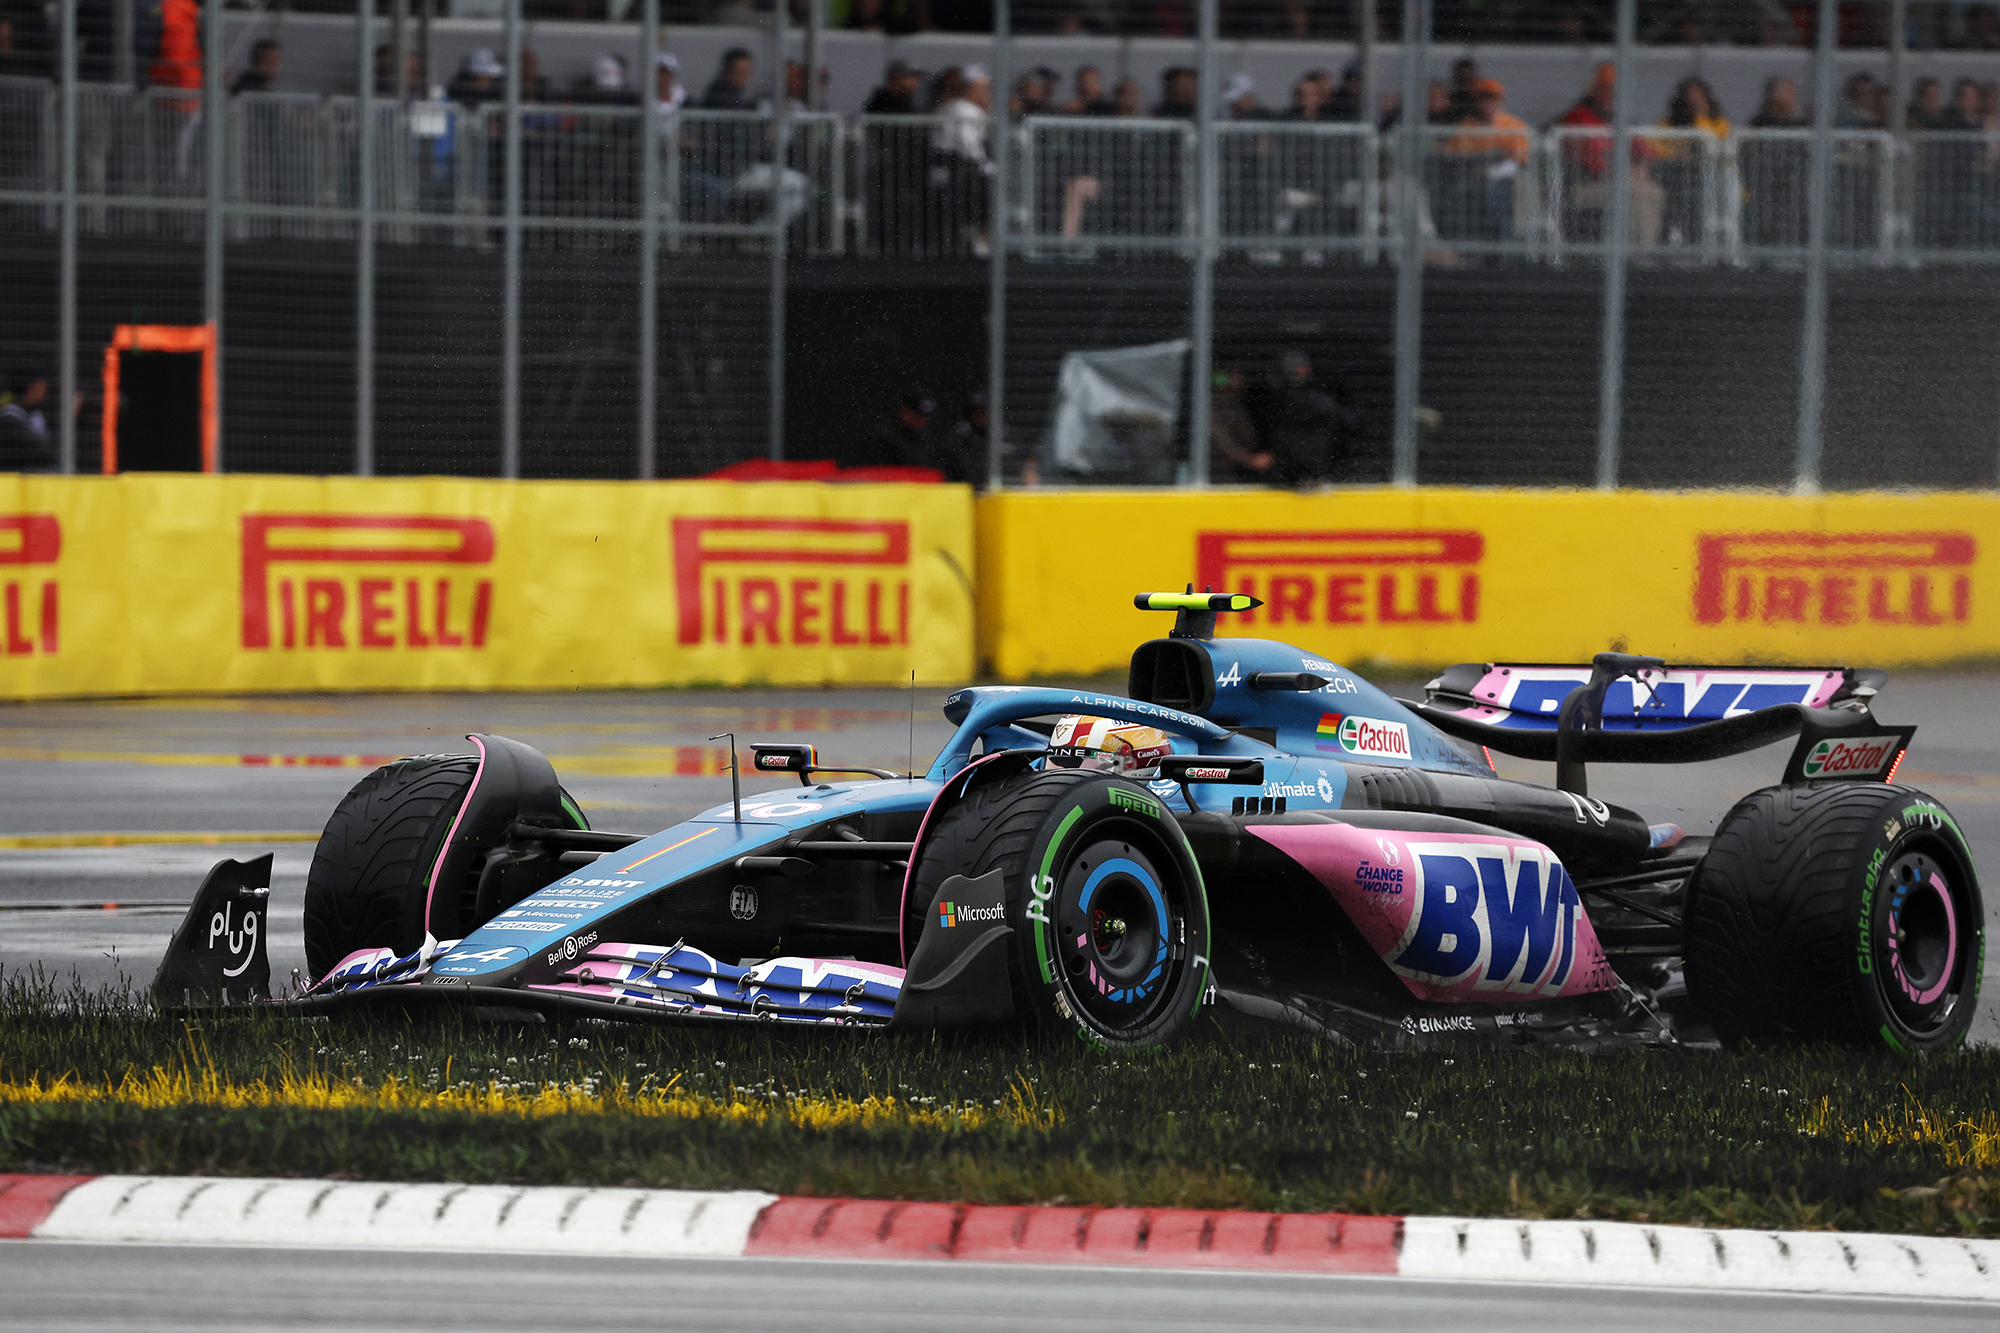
column 1847, row 913
column 369, row 884
column 1110, row 918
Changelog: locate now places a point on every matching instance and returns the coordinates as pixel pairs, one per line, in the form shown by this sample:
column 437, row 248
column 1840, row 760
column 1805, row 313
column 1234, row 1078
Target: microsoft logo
column 951, row 914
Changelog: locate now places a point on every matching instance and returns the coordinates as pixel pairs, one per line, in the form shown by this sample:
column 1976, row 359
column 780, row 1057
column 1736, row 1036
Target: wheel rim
column 1919, row 957
column 1115, row 930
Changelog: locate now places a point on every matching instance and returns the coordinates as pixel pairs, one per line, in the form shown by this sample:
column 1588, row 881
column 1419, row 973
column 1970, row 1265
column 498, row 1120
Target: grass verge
column 1792, row 1138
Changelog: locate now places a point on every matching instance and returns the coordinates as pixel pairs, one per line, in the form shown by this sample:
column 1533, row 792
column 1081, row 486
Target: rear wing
column 1623, row 709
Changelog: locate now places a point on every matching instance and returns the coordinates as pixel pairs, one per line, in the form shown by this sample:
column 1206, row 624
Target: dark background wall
column 1510, row 356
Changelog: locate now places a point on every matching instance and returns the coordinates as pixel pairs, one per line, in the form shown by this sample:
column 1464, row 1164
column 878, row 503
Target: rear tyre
column 1847, row 913
column 1109, row 914
column 370, row 879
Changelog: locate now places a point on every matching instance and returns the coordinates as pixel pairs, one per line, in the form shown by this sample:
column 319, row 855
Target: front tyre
column 1106, row 902
column 1849, row 912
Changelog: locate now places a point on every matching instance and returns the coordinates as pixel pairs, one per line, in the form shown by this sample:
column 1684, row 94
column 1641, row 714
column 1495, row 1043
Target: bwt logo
column 743, row 580
column 1503, row 916
column 32, row 604
column 1840, row 578
column 1359, row 577
column 327, row 604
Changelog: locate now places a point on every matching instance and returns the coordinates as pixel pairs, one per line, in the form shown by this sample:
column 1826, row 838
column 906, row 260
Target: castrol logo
column 1366, row 736
column 1862, row 757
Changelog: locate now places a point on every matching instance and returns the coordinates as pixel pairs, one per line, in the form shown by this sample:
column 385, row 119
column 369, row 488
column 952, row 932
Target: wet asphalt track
column 75, row 1288
column 637, row 761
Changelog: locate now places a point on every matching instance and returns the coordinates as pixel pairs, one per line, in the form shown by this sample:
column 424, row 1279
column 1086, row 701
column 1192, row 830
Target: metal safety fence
column 492, row 193
column 908, row 187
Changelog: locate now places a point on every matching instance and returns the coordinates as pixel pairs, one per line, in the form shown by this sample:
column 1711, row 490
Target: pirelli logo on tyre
column 1914, row 579
column 792, row 582
column 30, row 597
column 1348, row 576
column 365, row 581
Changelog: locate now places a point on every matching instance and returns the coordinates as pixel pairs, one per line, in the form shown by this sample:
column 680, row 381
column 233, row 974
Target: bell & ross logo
column 793, row 581
column 322, row 576
column 1834, row 578
column 31, row 603
column 1350, row 576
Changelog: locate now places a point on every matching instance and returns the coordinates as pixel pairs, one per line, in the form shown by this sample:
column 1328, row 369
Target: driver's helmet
column 1103, row 745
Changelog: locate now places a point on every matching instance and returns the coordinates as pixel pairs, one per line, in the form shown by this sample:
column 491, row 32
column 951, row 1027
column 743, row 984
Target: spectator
column 1307, row 430
column 261, row 74
column 1032, row 95
column 964, row 452
column 1587, row 169
column 1179, row 87
column 1129, row 98
column 534, row 88
column 1345, row 103
column 730, row 90
column 1464, row 91
column 1926, row 107
column 898, row 94
column 1090, row 99
column 1239, row 99
column 959, row 148
column 1982, row 28
column 1678, row 164
column 177, row 63
column 478, row 78
column 1235, row 453
column 669, row 93
column 1858, row 109
column 1780, row 109
column 1309, row 100
column 25, row 445
column 1495, row 143
column 904, row 438
column 385, row 72
column 1773, row 172
column 1963, row 113
column 25, row 48
column 606, row 84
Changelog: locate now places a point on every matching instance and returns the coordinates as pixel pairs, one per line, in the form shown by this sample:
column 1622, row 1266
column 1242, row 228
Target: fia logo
column 743, row 902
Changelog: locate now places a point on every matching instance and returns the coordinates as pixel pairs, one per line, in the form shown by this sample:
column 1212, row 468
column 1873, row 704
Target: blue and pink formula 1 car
column 1253, row 832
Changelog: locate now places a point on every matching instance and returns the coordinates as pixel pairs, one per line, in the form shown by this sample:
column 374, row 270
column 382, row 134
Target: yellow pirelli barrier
column 171, row 584
column 1422, row 577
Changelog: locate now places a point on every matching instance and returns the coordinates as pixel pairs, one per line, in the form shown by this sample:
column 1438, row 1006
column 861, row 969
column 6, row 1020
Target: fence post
column 1201, row 349
column 510, row 328
column 1812, row 351
column 649, row 233
column 66, row 281
column 1410, row 270
column 996, row 274
column 781, row 118
column 1611, row 368
column 364, row 239
column 214, row 45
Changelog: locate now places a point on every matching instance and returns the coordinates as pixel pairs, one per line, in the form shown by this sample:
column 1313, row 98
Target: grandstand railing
column 1080, row 187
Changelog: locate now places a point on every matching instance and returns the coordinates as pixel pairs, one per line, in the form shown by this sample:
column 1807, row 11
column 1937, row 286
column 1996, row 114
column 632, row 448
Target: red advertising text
column 1352, row 577
column 32, row 603
column 793, row 581
column 1834, row 578
column 365, row 581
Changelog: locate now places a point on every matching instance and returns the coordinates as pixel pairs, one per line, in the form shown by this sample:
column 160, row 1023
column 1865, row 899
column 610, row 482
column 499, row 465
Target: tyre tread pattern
column 371, row 870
